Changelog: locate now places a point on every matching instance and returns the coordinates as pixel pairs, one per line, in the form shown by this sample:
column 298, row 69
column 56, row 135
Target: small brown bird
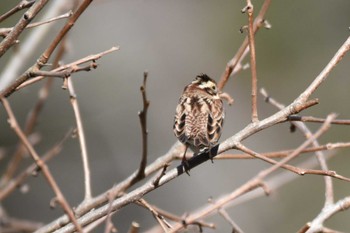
column 199, row 116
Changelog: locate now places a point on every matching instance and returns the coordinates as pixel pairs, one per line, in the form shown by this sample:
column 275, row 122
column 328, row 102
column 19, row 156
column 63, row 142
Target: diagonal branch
column 41, row 164
column 329, row 194
column 17, row 181
column 20, row 6
column 45, row 56
column 70, row 68
column 21, row 25
column 5, row 31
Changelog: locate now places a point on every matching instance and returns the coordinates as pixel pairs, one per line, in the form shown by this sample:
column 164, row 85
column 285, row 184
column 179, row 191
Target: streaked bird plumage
column 199, row 115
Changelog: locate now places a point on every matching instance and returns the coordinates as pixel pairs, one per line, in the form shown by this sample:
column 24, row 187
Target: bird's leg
column 184, row 162
column 211, row 157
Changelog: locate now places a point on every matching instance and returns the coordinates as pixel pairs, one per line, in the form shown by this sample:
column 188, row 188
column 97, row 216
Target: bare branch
column 317, row 224
column 5, row 31
column 41, row 164
column 21, row 25
column 242, row 51
column 48, row 52
column 31, row 121
column 82, row 141
column 143, row 121
column 70, row 68
column 317, row 120
column 17, row 181
column 329, row 194
column 31, row 43
column 162, row 222
column 20, row 6
column 250, row 10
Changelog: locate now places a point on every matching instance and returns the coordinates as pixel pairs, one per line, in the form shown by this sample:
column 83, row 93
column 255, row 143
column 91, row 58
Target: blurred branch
column 41, row 164
column 317, row 120
column 134, row 228
column 82, row 141
column 5, row 31
column 226, row 216
column 17, row 181
column 20, row 6
column 11, row 38
column 31, row 121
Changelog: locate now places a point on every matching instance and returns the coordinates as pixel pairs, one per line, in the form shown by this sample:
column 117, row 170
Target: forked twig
column 232, row 64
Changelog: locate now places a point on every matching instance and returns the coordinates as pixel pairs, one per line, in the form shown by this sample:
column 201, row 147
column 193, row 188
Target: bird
column 199, row 116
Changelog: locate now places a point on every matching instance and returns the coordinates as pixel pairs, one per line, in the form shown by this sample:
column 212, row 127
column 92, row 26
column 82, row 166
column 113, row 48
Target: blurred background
column 174, row 41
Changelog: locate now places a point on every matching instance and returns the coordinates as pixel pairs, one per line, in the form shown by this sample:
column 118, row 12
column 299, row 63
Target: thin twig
column 242, row 51
column 162, row 222
column 143, row 120
column 82, row 141
column 20, row 6
column 71, row 67
column 250, row 11
column 41, row 164
column 226, row 216
column 5, row 31
column 317, row 120
column 17, row 181
column 253, row 183
column 31, row 120
column 329, row 193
